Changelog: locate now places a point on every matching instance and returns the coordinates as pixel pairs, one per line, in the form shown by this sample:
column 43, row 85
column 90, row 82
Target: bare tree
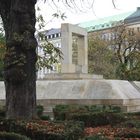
column 100, row 57
column 126, row 43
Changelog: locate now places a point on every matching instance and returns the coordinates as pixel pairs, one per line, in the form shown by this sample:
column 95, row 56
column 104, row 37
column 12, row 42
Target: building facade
column 53, row 36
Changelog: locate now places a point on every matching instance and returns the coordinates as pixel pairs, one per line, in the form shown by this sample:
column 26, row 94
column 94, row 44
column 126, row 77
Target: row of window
column 132, row 30
column 104, row 36
column 41, row 38
column 110, row 36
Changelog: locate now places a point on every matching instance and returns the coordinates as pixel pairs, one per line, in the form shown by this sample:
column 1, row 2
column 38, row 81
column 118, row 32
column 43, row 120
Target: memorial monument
column 75, row 86
column 74, row 46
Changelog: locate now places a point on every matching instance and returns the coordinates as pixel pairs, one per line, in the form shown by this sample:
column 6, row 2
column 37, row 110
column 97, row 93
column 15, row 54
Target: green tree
column 20, row 59
column 51, row 54
column 127, row 51
column 100, row 57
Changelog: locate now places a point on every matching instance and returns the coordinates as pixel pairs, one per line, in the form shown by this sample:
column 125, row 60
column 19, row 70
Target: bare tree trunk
column 19, row 71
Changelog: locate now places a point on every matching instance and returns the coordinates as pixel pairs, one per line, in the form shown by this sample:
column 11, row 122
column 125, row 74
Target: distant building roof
column 134, row 17
column 103, row 23
column 53, row 31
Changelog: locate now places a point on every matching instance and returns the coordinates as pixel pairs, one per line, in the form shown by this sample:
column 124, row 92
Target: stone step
column 48, row 109
column 49, row 113
column 128, row 108
column 134, row 108
column 71, row 76
column 131, row 102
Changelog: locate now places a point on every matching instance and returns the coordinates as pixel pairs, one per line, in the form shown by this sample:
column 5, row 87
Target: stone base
column 71, row 76
column 89, row 92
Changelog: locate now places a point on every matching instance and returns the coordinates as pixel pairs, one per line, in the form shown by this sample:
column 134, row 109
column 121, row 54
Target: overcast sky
column 100, row 9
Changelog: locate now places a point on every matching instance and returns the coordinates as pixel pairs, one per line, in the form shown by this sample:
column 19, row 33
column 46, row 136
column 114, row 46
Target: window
column 49, row 37
column 112, row 24
column 57, row 35
column 131, row 31
column 138, row 29
column 58, row 45
column 53, row 36
column 103, row 36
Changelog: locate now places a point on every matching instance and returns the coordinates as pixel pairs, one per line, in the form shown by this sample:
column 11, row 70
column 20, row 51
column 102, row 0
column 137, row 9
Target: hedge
column 98, row 118
column 12, row 136
column 62, row 112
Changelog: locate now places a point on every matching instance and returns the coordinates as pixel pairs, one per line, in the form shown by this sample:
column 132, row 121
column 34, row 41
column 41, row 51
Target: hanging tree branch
column 113, row 2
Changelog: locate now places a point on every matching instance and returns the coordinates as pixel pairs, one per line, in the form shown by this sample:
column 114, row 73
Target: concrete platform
column 71, row 76
column 90, row 92
column 109, row 92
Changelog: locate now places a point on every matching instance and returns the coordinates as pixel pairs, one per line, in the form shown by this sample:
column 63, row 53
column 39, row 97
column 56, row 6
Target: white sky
column 100, row 9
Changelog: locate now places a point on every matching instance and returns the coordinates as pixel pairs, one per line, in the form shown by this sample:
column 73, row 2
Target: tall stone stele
column 74, row 49
column 74, row 46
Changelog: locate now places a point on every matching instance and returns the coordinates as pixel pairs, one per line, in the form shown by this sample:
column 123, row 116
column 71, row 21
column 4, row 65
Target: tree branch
column 113, row 2
column 4, row 9
column 2, row 6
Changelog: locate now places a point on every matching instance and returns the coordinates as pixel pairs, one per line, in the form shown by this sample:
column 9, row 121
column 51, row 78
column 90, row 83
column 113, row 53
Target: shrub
column 61, row 112
column 74, row 130
column 2, row 112
column 42, row 130
column 131, row 124
column 40, row 110
column 115, row 109
column 104, row 108
column 98, row 118
column 96, row 137
column 12, row 136
column 129, row 133
column 133, row 115
column 45, row 117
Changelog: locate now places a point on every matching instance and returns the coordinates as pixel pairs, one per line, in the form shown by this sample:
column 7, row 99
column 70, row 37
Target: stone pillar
column 67, row 32
column 82, row 54
column 66, row 43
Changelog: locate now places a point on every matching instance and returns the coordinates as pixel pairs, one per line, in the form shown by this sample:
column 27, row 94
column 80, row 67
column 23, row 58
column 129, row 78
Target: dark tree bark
column 19, row 64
